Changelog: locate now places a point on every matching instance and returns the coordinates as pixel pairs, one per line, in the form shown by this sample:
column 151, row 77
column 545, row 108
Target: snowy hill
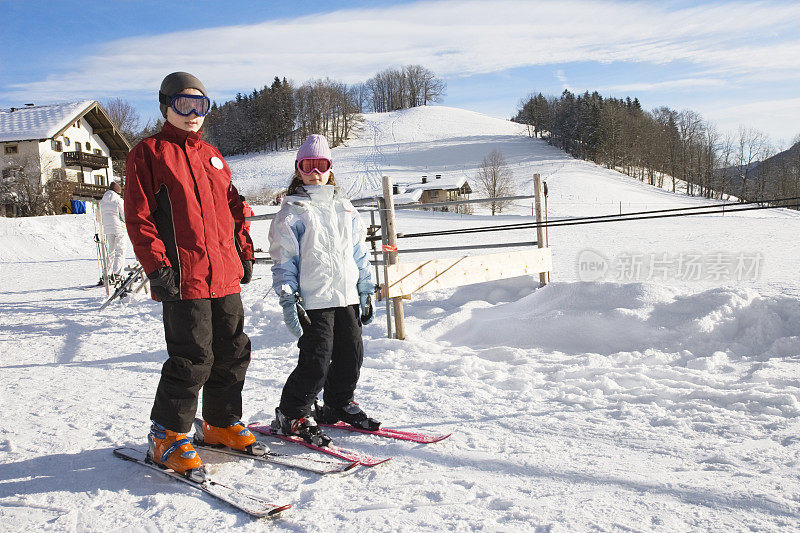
column 661, row 394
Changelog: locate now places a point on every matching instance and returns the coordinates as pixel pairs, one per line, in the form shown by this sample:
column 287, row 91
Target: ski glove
column 365, row 291
column 162, row 283
column 290, row 318
column 247, row 265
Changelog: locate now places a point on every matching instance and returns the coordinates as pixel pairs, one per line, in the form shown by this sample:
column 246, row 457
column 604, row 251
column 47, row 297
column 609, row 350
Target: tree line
column 282, row 114
column 662, row 144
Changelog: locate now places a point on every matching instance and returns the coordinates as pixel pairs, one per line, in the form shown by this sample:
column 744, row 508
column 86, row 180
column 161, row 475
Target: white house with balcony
column 76, row 140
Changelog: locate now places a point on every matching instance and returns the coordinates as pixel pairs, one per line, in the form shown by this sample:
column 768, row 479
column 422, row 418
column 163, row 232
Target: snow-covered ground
column 659, row 393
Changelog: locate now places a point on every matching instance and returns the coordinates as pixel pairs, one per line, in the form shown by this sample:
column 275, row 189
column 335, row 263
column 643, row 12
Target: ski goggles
column 313, row 164
column 186, row 104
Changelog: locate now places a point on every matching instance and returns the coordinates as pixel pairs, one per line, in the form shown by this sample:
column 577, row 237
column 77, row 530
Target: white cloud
column 679, row 84
column 777, row 117
column 453, row 38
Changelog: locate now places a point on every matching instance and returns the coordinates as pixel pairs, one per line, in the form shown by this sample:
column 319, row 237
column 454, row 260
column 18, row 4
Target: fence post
column 537, row 192
column 382, row 213
column 391, row 256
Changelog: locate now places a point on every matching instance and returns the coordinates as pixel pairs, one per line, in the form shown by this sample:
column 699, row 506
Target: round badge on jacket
column 216, row 162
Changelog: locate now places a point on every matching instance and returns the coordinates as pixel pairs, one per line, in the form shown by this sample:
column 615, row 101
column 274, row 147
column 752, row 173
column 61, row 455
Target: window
column 59, row 174
column 66, row 141
column 88, row 147
column 80, row 176
column 434, row 194
column 11, row 149
column 98, row 151
column 78, row 147
column 99, row 179
column 56, row 145
column 78, row 124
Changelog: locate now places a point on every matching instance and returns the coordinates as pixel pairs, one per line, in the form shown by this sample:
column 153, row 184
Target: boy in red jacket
column 186, row 223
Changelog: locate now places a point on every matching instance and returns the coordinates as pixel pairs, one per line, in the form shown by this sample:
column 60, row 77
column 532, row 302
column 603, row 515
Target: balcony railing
column 83, row 159
column 89, row 190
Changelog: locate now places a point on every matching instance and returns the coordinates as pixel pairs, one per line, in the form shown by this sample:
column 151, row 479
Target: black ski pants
column 331, row 353
column 207, row 349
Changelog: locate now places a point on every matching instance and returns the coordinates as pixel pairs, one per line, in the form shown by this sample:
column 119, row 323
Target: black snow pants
column 331, row 353
column 207, row 349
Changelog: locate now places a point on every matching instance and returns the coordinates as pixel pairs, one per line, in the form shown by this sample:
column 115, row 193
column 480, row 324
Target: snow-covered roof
column 408, row 197
column 446, row 182
column 39, row 122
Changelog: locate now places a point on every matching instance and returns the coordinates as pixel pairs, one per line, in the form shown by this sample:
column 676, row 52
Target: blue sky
column 736, row 63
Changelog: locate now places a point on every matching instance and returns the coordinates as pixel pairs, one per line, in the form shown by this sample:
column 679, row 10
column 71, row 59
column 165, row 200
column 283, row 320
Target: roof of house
column 49, row 121
column 408, row 197
column 446, row 182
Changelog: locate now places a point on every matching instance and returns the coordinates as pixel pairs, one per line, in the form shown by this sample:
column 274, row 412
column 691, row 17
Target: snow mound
column 50, row 238
column 609, row 318
column 429, row 123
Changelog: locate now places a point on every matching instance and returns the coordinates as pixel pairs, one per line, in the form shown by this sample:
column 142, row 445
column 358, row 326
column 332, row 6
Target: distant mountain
column 779, row 173
column 783, row 159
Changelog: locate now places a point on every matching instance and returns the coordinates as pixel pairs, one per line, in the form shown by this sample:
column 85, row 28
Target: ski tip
column 278, row 510
column 439, row 438
column 376, row 462
column 351, row 466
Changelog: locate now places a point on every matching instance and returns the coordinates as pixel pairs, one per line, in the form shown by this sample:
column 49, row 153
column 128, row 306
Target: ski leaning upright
column 250, row 504
column 124, row 286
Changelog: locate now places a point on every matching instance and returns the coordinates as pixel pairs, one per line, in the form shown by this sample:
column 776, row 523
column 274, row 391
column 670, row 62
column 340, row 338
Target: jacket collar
column 180, row 136
column 317, row 193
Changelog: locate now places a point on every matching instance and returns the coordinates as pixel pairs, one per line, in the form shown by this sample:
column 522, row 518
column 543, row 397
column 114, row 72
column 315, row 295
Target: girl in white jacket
column 321, row 273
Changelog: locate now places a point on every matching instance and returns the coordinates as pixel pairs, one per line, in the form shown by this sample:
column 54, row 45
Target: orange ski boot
column 236, row 437
column 172, row 450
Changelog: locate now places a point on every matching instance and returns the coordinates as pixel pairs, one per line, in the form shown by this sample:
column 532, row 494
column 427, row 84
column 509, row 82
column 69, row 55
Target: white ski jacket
column 112, row 212
column 317, row 243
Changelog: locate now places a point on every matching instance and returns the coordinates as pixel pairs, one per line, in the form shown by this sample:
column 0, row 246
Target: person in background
column 321, row 263
column 186, row 223
column 247, row 264
column 112, row 215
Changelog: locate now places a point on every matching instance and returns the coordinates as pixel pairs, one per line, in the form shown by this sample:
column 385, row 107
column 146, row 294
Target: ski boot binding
column 304, row 427
column 168, row 449
column 236, row 437
column 349, row 414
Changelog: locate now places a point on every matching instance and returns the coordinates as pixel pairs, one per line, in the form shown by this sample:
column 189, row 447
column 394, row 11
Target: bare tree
column 123, row 115
column 495, row 180
column 750, row 146
column 23, row 186
column 401, row 88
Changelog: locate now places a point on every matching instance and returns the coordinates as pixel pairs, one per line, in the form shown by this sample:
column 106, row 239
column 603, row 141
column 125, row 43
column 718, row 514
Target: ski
column 250, row 504
column 317, row 466
column 342, row 453
column 124, row 286
column 411, row 436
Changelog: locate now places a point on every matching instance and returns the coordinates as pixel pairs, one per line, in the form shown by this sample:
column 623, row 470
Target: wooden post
column 391, row 256
column 537, row 192
column 382, row 212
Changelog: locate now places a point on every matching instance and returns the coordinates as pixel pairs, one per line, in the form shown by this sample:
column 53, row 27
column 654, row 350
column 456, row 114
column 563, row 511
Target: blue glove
column 365, row 292
column 290, row 318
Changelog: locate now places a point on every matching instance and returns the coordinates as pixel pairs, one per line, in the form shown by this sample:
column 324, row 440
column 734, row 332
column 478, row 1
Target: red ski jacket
column 248, row 212
column 182, row 211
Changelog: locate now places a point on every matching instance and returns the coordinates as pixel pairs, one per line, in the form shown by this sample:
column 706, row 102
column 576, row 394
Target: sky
column 736, row 63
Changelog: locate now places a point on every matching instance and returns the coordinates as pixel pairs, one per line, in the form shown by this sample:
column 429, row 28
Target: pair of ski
column 255, row 505
column 124, row 287
column 352, row 455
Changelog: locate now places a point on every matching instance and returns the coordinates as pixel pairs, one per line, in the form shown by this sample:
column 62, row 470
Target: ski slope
column 641, row 399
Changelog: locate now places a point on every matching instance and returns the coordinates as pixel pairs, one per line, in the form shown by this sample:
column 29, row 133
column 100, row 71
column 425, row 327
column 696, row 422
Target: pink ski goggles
column 313, row 164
